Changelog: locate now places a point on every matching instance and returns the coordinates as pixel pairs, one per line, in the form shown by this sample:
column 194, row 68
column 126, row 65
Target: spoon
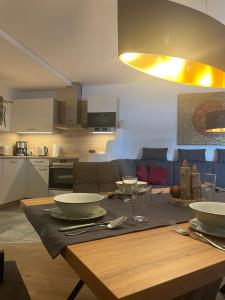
column 195, row 234
column 113, row 224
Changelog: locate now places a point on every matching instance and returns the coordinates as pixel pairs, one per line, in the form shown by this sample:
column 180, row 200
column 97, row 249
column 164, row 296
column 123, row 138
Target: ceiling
column 72, row 40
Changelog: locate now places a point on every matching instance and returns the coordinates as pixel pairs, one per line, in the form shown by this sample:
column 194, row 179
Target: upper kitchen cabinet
column 5, row 115
column 34, row 115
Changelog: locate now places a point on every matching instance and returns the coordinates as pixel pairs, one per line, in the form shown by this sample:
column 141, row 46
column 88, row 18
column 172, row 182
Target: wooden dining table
column 155, row 264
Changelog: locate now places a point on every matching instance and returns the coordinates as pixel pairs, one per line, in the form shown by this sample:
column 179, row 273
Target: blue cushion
column 155, row 154
column 196, row 155
column 221, row 155
column 219, row 170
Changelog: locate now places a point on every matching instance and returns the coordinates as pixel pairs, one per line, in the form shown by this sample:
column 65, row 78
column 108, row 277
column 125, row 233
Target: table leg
column 207, row 292
column 76, row 290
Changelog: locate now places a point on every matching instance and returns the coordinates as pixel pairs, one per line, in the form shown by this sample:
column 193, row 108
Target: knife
column 68, row 228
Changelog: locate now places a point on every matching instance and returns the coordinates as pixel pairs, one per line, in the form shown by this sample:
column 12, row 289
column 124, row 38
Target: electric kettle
column 42, row 151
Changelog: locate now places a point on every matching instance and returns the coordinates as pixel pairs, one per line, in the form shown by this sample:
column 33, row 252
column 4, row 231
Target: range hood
column 71, row 109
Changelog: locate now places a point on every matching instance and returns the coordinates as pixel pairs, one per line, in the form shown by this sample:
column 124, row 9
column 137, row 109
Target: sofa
column 194, row 157
column 95, row 177
column 101, row 176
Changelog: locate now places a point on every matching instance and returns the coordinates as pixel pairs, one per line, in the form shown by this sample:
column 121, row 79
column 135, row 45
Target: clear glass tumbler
column 209, row 185
column 129, row 187
column 141, row 204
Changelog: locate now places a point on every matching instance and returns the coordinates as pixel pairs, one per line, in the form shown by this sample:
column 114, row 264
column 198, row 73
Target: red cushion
column 142, row 173
column 157, row 175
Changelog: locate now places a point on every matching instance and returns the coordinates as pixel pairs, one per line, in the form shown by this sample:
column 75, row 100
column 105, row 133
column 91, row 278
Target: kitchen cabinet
column 97, row 104
column 6, row 127
column 13, row 180
column 34, row 115
column 32, row 124
column 37, row 181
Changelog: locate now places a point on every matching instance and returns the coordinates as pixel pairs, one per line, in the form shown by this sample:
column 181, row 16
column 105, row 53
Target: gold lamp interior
column 172, row 41
column 175, row 69
column 216, row 130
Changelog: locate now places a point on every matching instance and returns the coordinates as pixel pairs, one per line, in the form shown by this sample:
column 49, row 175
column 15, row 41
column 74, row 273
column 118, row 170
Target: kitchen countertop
column 38, row 157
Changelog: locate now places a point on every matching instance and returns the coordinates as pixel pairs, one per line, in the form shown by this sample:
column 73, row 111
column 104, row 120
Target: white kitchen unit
column 34, row 115
column 97, row 104
column 8, row 107
column 37, row 180
column 13, row 180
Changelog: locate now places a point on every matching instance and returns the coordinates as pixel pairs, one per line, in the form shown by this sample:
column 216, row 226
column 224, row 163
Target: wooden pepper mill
column 185, row 181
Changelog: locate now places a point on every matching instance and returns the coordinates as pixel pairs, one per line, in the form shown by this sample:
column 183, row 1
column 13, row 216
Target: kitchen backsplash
column 74, row 142
column 8, row 138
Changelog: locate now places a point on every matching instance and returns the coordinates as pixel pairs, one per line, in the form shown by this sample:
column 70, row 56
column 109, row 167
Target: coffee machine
column 21, row 148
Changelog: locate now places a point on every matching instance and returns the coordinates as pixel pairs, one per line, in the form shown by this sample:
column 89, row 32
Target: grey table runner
column 160, row 213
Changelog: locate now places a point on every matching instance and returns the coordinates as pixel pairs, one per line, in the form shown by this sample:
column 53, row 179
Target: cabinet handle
column 14, row 161
column 31, row 129
column 42, row 169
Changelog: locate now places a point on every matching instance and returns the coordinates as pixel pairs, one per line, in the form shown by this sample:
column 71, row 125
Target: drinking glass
column 141, row 204
column 209, row 185
column 129, row 187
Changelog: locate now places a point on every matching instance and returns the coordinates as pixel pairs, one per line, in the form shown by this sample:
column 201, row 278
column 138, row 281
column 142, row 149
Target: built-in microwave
column 101, row 121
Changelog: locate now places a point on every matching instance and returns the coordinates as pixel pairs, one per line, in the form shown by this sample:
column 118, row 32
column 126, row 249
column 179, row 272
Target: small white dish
column 210, row 213
column 197, row 225
column 119, row 184
column 55, row 212
column 78, row 204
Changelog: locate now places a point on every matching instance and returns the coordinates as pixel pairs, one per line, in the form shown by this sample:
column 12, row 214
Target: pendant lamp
column 172, row 41
column 215, row 121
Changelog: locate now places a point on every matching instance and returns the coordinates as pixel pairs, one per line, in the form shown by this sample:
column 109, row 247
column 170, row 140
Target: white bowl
column 210, row 213
column 78, row 204
column 119, row 184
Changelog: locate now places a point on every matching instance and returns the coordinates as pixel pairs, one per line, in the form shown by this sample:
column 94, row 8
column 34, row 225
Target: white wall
column 149, row 110
column 5, row 91
column 6, row 138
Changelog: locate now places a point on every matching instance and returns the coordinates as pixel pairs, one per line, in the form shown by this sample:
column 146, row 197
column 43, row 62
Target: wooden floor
column 46, row 279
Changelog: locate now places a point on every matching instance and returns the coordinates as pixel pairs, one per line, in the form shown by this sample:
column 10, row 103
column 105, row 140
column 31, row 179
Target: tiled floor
column 14, row 226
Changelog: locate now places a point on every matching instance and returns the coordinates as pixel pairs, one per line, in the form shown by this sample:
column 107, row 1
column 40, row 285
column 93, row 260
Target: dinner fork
column 195, row 234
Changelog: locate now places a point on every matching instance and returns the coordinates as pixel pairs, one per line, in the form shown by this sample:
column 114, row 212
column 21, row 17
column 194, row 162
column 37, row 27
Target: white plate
column 55, row 212
column 197, row 225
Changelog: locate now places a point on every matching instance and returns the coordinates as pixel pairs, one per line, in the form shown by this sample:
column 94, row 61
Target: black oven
column 61, row 175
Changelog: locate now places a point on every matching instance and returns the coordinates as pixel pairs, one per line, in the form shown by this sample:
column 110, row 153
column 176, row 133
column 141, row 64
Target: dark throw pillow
column 221, row 155
column 158, row 175
column 196, row 155
column 154, row 153
column 142, row 173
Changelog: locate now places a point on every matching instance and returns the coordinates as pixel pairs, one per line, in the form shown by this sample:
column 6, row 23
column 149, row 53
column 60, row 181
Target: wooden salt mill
column 196, row 189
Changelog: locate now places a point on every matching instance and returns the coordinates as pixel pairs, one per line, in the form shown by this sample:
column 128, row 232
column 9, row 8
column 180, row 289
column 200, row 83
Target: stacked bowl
column 210, row 217
column 120, row 186
column 78, row 205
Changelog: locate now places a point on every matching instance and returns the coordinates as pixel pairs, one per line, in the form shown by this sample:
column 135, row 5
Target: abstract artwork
column 192, row 110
